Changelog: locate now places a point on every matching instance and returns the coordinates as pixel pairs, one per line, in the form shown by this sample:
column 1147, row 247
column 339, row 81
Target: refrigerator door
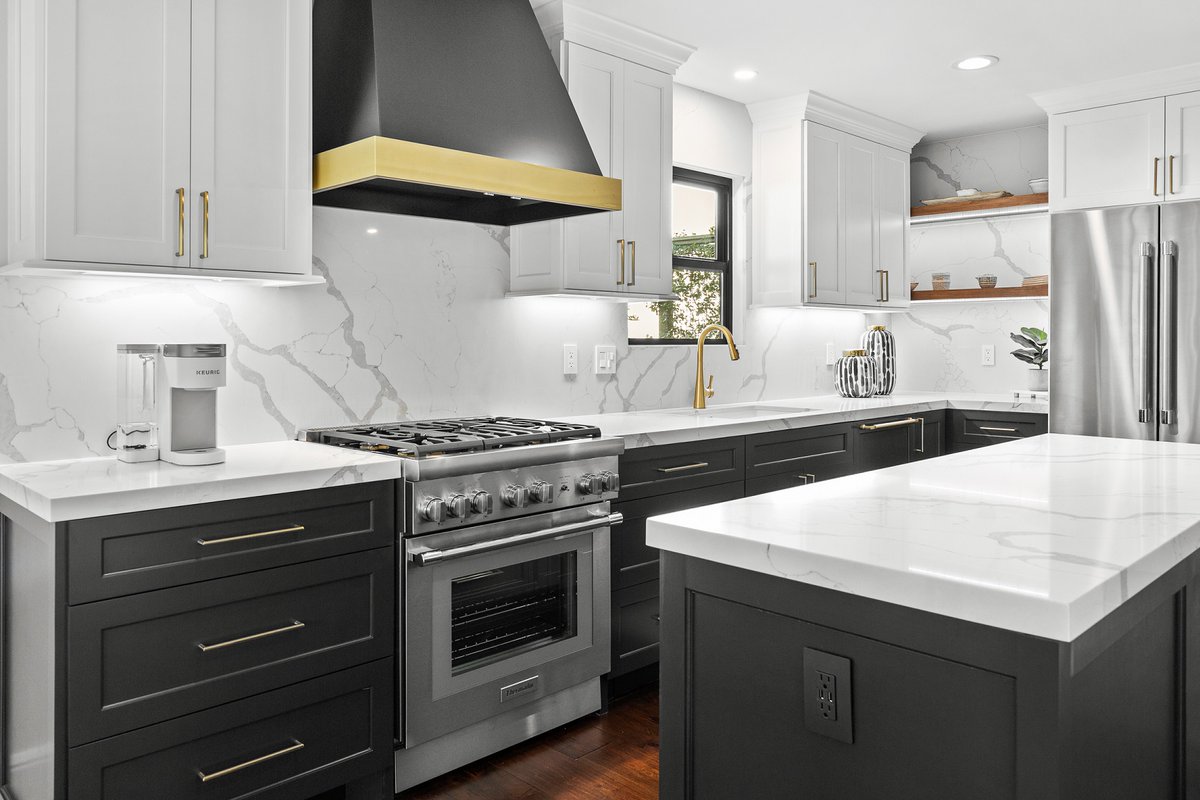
column 1103, row 318
column 1179, row 337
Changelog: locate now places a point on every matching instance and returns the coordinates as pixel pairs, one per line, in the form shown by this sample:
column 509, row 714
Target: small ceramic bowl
column 966, row 192
column 941, row 281
column 912, row 286
column 987, row 281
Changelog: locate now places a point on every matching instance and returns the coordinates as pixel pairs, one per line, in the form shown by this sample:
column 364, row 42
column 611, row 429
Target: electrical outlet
column 830, row 354
column 988, row 356
column 570, row 359
column 606, row 359
column 828, row 701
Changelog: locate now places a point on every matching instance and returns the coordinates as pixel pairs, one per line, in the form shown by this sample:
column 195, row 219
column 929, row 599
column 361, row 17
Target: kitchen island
column 1014, row 622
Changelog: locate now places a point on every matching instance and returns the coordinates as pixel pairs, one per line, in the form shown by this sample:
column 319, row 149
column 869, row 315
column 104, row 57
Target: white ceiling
column 893, row 57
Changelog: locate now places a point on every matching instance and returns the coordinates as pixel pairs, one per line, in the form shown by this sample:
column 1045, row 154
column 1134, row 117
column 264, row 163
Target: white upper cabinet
column 831, row 205
column 620, row 83
column 251, row 135
column 150, row 108
column 117, row 137
column 1107, row 156
column 1183, row 146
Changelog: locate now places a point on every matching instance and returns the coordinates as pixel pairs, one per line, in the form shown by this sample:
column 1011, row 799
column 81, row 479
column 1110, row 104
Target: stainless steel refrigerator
column 1125, row 322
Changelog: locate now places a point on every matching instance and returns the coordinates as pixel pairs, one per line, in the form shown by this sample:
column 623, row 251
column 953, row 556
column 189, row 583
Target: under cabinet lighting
column 745, row 74
column 976, row 62
column 372, row 231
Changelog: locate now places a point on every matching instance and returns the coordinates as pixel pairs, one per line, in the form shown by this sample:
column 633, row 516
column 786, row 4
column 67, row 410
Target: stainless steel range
column 505, row 579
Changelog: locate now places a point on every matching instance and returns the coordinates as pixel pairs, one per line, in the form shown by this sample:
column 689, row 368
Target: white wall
column 413, row 322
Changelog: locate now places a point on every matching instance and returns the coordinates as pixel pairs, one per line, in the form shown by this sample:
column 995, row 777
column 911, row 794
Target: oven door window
column 502, row 612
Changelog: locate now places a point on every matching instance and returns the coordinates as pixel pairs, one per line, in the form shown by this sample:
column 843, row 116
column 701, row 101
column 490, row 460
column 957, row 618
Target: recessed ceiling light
column 372, row 231
column 976, row 62
column 745, row 74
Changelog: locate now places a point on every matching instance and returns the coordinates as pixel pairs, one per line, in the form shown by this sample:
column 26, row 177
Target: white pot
column 1039, row 380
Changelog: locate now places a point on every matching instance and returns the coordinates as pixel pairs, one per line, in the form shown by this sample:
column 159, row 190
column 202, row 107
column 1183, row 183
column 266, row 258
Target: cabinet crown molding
column 1127, row 88
column 562, row 20
column 816, row 107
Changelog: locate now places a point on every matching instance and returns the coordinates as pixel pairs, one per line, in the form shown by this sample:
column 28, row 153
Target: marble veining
column 1044, row 536
column 58, row 491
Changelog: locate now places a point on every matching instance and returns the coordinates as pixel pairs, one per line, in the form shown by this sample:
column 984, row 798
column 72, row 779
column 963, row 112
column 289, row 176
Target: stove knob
column 481, row 503
column 590, row 484
column 612, row 482
column 515, row 496
column 434, row 510
column 541, row 492
column 458, row 506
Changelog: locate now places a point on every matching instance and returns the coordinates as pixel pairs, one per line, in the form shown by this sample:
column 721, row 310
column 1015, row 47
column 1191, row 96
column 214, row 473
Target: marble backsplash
column 1005, row 160
column 413, row 323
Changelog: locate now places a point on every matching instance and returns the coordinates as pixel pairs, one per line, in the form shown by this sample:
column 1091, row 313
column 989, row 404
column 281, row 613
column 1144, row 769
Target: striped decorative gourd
column 856, row 374
column 880, row 345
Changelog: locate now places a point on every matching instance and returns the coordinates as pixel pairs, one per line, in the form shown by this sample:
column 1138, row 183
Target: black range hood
column 447, row 108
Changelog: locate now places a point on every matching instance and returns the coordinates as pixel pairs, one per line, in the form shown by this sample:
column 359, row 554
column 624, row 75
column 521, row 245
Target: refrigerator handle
column 1149, row 295
column 1170, row 334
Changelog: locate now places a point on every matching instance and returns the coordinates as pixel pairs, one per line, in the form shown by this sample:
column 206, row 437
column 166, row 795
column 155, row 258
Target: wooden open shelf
column 999, row 293
column 981, row 205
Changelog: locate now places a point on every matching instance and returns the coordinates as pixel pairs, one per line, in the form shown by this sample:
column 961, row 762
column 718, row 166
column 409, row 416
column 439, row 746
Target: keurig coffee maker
column 188, row 378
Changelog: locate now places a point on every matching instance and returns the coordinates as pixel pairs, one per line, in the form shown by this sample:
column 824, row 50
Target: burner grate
column 440, row 437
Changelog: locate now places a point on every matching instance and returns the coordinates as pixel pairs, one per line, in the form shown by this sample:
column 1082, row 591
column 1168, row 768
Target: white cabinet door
column 1108, row 156
column 824, row 214
column 591, row 254
column 860, row 186
column 117, row 130
column 251, row 141
column 646, row 182
column 1183, row 146
column 893, row 199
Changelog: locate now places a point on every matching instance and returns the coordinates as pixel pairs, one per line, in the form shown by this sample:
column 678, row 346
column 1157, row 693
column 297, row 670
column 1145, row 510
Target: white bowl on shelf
column 967, row 192
column 1040, row 185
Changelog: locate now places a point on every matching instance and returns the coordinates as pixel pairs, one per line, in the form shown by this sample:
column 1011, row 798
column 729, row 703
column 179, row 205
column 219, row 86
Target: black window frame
column 723, row 263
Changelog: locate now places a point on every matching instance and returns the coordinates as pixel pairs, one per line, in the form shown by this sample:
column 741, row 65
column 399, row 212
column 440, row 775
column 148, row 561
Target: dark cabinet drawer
column 128, row 553
column 890, row 441
column 134, row 661
column 633, row 561
column 978, row 428
column 649, row 471
column 290, row 743
column 809, row 453
column 635, row 620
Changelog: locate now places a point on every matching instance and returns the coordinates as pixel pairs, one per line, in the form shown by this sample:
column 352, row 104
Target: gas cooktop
column 442, row 437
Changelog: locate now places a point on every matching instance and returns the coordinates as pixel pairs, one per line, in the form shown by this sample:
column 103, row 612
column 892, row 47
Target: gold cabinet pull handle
column 1171, row 174
column 244, row 536
column 632, row 263
column 997, row 430
column 812, row 283
column 1156, row 160
column 683, row 467
column 887, row 286
column 181, row 194
column 295, row 626
column 205, row 777
column 883, row 426
column 621, row 245
column 881, row 273
column 204, row 242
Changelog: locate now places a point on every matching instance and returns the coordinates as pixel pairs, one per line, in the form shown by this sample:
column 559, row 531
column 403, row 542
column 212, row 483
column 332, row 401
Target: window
column 701, row 256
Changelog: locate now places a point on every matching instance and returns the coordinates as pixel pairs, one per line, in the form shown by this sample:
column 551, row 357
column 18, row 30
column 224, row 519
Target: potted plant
column 1035, row 350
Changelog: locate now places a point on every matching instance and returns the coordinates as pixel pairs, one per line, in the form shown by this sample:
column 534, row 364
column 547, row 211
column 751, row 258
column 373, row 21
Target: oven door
column 502, row 614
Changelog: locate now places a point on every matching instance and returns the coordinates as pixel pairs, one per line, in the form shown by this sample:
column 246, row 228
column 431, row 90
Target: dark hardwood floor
column 595, row 758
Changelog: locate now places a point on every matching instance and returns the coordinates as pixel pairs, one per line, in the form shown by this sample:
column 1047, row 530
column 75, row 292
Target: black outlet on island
column 828, row 698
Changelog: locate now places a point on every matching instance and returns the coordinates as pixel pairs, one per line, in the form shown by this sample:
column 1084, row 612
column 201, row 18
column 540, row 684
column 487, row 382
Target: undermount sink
column 738, row 412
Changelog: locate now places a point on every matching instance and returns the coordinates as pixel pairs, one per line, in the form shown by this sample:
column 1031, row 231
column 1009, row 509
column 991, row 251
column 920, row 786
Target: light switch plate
column 988, row 355
column 606, row 359
column 570, row 359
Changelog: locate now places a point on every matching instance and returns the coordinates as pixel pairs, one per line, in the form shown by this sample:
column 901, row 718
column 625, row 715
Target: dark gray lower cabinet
column 290, row 743
column 240, row 649
column 661, row 479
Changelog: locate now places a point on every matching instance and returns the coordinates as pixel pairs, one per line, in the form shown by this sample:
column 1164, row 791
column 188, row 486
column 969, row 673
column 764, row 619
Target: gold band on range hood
column 378, row 157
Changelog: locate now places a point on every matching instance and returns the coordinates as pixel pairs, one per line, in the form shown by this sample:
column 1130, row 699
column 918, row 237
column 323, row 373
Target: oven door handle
column 427, row 557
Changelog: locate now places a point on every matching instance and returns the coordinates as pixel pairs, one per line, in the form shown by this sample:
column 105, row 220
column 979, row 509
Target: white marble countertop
column 58, row 491
column 1044, row 536
column 669, row 426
